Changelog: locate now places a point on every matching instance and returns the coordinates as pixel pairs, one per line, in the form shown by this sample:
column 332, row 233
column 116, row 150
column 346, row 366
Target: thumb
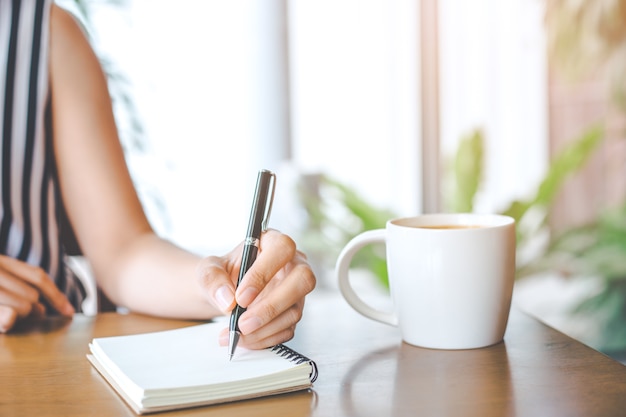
column 216, row 281
column 224, row 298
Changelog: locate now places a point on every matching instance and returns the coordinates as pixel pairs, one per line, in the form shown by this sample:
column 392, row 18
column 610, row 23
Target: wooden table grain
column 364, row 370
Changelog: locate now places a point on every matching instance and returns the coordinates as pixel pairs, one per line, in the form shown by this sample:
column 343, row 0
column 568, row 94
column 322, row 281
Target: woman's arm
column 133, row 266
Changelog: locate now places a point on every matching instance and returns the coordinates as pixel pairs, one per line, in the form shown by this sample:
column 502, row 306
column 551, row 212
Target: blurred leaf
column 370, row 216
column 468, row 171
column 565, row 163
column 569, row 160
column 609, row 308
column 587, row 37
column 337, row 213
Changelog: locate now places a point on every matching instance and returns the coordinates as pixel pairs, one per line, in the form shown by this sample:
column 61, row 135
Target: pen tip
column 234, row 338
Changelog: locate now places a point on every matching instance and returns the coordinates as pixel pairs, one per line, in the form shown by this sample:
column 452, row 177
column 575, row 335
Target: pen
column 259, row 216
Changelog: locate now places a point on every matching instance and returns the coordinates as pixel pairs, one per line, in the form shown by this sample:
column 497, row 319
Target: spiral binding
column 293, row 356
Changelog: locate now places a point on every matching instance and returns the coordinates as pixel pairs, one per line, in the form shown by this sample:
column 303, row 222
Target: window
column 203, row 77
column 493, row 77
column 329, row 86
column 355, row 90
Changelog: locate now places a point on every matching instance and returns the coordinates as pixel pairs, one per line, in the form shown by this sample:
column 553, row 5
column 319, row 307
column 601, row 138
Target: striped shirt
column 30, row 202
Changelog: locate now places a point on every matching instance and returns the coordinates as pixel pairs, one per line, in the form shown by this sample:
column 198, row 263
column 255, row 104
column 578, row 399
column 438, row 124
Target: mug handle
column 342, row 271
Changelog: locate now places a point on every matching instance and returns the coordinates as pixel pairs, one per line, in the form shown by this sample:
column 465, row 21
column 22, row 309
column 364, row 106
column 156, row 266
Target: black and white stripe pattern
column 30, row 198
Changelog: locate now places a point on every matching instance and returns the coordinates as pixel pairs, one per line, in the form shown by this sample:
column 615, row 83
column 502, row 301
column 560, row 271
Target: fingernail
column 247, row 296
column 68, row 310
column 248, row 324
column 225, row 298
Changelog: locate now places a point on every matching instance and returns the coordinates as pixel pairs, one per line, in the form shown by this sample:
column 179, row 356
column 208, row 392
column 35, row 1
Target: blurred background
column 371, row 109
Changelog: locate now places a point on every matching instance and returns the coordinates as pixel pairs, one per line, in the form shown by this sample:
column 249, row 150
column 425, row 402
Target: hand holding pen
column 272, row 291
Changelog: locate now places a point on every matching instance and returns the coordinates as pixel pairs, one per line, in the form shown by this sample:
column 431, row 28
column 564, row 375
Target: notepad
column 186, row 367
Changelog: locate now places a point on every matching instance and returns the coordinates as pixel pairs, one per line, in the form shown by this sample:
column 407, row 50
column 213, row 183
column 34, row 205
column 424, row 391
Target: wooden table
column 365, row 370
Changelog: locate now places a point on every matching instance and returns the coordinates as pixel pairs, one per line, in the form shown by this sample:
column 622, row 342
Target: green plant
column 588, row 38
column 582, row 36
column 596, row 251
column 465, row 173
column 336, row 213
column 466, row 178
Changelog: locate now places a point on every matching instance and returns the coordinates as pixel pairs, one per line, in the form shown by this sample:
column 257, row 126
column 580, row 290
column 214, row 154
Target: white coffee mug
column 450, row 276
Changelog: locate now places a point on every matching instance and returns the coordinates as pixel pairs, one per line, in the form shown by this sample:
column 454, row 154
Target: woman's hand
column 273, row 289
column 21, row 286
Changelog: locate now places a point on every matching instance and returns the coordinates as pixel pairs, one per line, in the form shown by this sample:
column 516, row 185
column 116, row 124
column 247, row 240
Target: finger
column 38, row 311
column 8, row 317
column 37, row 278
column 290, row 291
column 281, row 337
column 214, row 275
column 16, row 293
column 48, row 289
column 279, row 330
column 275, row 251
column 19, row 287
column 20, row 305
